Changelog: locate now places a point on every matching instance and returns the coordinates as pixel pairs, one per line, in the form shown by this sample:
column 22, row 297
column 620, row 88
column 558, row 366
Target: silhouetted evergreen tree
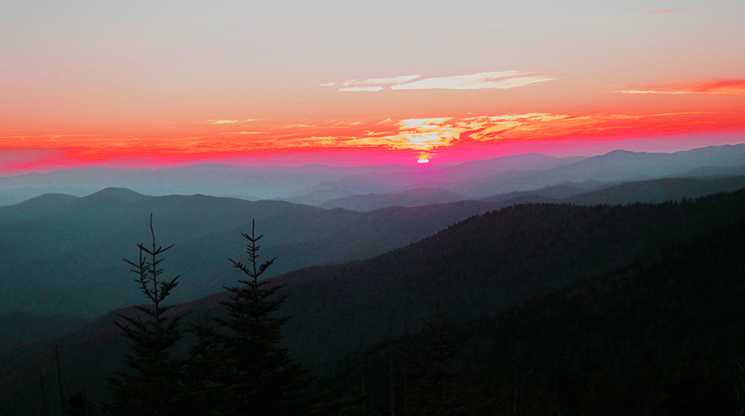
column 348, row 403
column 432, row 390
column 79, row 405
column 151, row 385
column 202, row 371
column 259, row 376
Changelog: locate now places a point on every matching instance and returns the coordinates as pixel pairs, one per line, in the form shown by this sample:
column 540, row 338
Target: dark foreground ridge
column 533, row 309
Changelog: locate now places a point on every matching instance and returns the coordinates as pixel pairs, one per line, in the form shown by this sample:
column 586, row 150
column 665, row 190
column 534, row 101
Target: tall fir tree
column 259, row 376
column 432, row 374
column 202, row 371
column 79, row 405
column 151, row 384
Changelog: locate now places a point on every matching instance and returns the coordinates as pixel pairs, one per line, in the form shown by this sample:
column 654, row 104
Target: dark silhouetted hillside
column 18, row 329
column 488, row 270
column 488, row 263
column 664, row 335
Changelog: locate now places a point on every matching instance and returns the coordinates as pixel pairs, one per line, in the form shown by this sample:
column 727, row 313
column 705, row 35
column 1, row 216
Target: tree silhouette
column 259, row 375
column 202, row 371
column 79, row 405
column 432, row 373
column 151, row 384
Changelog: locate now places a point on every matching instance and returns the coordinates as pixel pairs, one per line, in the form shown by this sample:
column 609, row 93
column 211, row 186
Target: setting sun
column 424, row 157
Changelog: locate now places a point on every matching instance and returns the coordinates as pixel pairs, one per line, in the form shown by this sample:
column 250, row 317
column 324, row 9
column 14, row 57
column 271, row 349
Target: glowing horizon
column 381, row 141
column 126, row 85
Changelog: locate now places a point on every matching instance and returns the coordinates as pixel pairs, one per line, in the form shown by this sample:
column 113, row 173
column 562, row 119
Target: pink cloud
column 717, row 87
column 662, row 11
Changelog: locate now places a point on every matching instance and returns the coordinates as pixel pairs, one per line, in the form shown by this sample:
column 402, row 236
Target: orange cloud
column 662, row 11
column 718, row 87
column 228, row 121
column 430, row 134
column 426, row 137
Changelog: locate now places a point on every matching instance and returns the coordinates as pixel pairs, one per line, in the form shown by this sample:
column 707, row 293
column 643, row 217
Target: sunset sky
column 345, row 83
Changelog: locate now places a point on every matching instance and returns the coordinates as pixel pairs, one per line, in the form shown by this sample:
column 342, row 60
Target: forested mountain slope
column 61, row 254
column 486, row 266
column 664, row 335
column 657, row 190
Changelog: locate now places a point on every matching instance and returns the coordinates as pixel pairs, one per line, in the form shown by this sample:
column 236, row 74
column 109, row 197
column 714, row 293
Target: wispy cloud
column 223, row 121
column 662, row 11
column 481, row 80
column 228, row 121
column 360, row 89
column 371, row 84
column 719, row 87
column 381, row 81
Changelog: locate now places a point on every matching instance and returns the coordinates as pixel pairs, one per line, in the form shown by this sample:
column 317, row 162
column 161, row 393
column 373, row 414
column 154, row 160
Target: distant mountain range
column 651, row 191
column 584, row 193
column 615, row 166
column 61, row 254
column 318, row 197
column 204, row 178
column 316, row 184
column 411, row 198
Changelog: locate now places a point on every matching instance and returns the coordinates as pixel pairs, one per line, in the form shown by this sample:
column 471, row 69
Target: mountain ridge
column 490, row 264
column 474, row 179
